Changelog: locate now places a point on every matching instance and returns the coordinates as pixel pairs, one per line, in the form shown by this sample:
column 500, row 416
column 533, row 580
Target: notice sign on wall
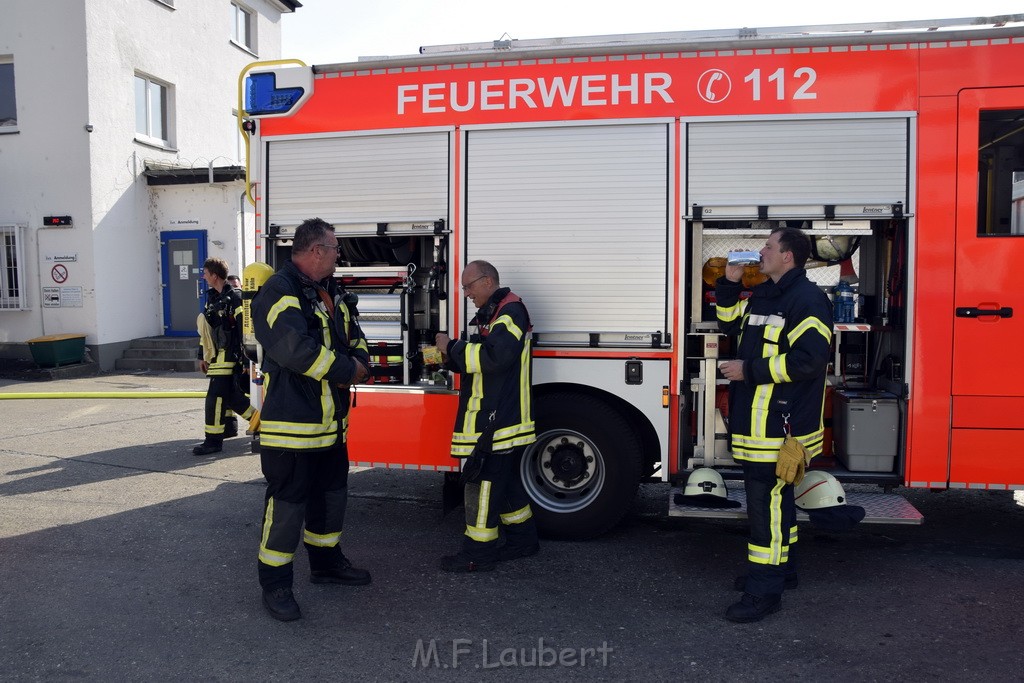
column 62, row 297
column 51, row 297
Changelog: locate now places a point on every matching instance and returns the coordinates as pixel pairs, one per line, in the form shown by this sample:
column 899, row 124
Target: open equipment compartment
column 398, row 271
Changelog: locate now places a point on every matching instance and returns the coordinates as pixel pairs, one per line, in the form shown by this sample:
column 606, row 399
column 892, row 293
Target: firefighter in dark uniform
column 313, row 350
column 494, row 399
column 223, row 316
column 777, row 387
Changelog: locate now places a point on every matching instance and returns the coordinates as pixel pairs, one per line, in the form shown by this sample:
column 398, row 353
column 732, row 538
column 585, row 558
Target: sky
column 334, row 31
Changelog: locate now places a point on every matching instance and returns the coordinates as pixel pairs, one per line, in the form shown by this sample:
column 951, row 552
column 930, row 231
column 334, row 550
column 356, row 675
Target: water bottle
column 842, row 303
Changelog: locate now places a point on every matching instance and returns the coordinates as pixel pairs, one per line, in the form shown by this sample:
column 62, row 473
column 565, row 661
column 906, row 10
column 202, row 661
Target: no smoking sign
column 59, row 273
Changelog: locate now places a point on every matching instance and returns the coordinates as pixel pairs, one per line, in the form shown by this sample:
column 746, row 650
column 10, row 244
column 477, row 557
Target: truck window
column 1001, row 172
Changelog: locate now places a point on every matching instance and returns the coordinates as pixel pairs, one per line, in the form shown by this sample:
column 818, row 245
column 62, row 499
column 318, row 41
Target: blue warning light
column 262, row 96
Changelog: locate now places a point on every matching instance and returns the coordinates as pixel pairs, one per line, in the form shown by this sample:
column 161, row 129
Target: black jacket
column 496, row 376
column 785, row 333
column 223, row 313
column 307, row 360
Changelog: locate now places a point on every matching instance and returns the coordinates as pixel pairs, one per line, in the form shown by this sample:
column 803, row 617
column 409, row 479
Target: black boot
column 230, row 427
column 506, row 552
column 208, row 446
column 340, row 571
column 281, row 605
column 752, row 608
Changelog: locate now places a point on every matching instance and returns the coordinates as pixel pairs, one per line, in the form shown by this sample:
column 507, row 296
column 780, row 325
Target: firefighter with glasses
column 776, row 389
column 494, row 423
column 313, row 351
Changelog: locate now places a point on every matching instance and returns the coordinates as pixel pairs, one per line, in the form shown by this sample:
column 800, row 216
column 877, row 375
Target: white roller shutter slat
column 576, row 221
column 358, row 179
column 800, row 162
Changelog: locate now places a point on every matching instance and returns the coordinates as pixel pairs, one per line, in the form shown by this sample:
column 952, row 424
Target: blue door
column 182, row 253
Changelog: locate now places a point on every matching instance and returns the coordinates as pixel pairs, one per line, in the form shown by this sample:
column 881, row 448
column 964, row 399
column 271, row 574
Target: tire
column 582, row 473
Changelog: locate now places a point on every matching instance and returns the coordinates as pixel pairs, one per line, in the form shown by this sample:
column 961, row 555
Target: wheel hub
column 568, row 463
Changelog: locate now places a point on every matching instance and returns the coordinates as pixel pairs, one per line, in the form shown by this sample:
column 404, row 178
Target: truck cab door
column 988, row 315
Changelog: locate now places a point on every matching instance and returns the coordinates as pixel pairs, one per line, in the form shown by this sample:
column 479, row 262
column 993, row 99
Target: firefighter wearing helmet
column 776, row 392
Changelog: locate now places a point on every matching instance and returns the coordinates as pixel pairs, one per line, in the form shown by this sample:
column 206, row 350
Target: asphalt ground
column 123, row 557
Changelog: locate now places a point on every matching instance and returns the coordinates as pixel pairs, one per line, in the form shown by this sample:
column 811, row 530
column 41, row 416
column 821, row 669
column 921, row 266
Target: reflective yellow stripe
column 484, row 503
column 517, row 517
column 507, row 321
column 775, row 521
column 482, row 534
column 759, row 409
column 760, row 554
column 299, row 428
column 811, row 323
column 321, row 540
column 321, row 365
column 297, row 443
column 473, row 358
column 525, row 393
column 479, row 531
column 730, row 313
column 524, row 440
column 509, row 432
column 777, row 368
column 267, row 556
column 283, row 303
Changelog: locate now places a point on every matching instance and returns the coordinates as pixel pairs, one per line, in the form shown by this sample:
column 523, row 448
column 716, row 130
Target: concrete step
column 161, row 353
column 157, row 364
column 165, row 343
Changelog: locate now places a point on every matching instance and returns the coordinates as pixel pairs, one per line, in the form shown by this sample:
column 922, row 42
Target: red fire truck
column 606, row 177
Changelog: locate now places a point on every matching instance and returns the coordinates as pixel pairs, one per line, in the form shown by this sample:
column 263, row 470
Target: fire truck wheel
column 582, row 473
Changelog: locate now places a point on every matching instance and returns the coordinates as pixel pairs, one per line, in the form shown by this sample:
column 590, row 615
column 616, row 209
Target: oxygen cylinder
column 253, row 277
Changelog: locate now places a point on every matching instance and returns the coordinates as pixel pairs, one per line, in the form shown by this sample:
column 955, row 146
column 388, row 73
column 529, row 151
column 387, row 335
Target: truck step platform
column 879, row 508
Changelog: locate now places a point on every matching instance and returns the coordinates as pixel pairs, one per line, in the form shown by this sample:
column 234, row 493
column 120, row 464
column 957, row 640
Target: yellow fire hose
column 105, row 394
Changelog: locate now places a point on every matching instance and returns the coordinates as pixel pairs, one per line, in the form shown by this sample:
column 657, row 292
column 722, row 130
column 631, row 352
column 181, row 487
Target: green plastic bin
column 55, row 350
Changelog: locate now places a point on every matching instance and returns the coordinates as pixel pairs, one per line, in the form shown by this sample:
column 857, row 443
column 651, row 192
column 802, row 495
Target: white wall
column 217, row 209
column 80, row 70
column 44, row 167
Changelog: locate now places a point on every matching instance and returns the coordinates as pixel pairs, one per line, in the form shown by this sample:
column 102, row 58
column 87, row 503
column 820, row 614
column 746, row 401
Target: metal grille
column 879, row 508
column 12, row 293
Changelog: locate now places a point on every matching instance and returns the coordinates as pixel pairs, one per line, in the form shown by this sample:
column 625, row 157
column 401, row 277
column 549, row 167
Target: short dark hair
column 486, row 270
column 217, row 266
column 796, row 242
column 308, row 232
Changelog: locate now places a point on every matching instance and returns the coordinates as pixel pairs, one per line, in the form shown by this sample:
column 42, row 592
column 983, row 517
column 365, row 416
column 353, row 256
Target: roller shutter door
column 797, row 162
column 358, row 179
column 576, row 221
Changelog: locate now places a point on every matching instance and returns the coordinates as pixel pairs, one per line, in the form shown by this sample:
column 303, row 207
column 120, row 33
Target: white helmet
column 705, row 480
column 819, row 490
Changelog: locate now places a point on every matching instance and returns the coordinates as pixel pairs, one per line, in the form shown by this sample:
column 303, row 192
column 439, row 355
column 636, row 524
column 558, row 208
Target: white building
column 118, row 117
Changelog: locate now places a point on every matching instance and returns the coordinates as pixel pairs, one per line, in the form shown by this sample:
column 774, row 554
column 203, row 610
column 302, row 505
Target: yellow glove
column 793, row 458
column 254, row 423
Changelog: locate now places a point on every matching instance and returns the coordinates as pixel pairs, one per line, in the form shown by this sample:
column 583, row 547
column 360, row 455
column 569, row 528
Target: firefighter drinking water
column 776, row 397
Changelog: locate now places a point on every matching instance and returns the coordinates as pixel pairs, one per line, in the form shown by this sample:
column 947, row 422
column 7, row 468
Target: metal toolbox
column 865, row 428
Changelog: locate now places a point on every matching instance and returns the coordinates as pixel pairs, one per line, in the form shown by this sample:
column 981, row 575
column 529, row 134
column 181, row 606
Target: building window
column 243, row 27
column 12, row 291
column 151, row 110
column 8, row 104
